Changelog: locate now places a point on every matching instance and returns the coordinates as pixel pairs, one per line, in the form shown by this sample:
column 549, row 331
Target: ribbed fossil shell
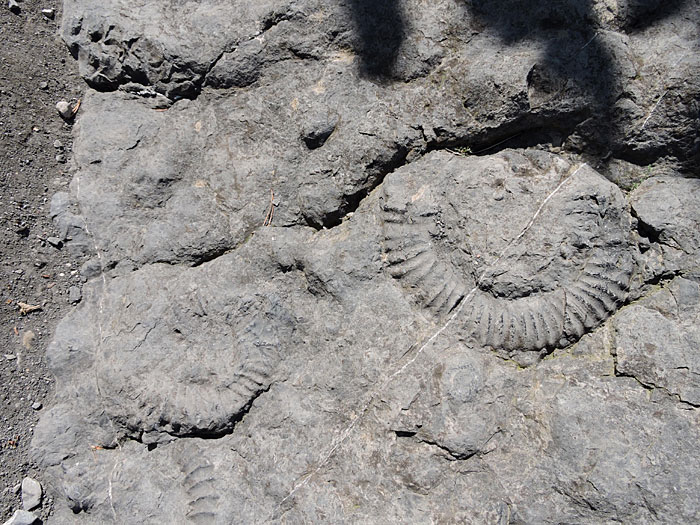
column 200, row 486
column 444, row 242
column 227, row 352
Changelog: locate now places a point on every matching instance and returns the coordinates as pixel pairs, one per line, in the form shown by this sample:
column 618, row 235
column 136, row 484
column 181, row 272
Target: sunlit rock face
column 380, row 262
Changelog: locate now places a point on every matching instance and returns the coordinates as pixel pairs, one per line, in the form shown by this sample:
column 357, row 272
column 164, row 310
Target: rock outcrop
column 381, row 262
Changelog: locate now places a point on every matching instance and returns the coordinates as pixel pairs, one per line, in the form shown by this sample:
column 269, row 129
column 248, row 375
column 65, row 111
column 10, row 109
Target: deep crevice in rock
column 527, row 131
column 459, row 456
column 651, row 387
column 645, row 230
column 213, row 254
column 272, row 19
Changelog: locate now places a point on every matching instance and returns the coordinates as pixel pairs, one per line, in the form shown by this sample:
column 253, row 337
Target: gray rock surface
column 668, row 216
column 31, row 493
column 365, row 262
column 666, row 357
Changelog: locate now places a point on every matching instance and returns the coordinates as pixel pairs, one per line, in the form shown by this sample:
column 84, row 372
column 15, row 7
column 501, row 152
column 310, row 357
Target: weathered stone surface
column 369, row 262
column 666, row 357
column 530, row 285
column 668, row 215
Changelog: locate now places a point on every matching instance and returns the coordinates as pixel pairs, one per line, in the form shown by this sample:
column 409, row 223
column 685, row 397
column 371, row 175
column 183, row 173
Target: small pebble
column 64, row 110
column 37, row 406
column 57, row 144
column 10, row 357
column 54, row 241
column 43, row 85
column 61, row 158
column 49, row 13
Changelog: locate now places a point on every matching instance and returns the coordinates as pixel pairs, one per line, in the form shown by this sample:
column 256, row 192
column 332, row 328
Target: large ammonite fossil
column 462, row 229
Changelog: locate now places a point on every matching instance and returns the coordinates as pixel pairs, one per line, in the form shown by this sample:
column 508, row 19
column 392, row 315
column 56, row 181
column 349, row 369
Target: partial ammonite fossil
column 200, row 487
column 462, row 229
column 187, row 357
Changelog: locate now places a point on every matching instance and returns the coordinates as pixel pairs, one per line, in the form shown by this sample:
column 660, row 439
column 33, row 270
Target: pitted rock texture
column 380, row 262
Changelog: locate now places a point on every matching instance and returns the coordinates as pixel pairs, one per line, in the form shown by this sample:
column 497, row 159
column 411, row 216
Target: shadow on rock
column 573, row 64
column 578, row 57
column 640, row 14
column 380, row 27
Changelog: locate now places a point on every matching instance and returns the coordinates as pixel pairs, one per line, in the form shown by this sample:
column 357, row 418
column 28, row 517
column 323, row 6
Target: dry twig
column 271, row 209
column 25, row 308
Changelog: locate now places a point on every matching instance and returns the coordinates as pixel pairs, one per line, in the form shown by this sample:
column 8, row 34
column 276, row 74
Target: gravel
column 36, row 70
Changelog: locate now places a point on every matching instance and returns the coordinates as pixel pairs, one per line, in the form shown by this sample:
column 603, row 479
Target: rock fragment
column 317, row 133
column 14, row 7
column 22, row 517
column 64, row 110
column 54, row 241
column 74, row 294
column 31, row 493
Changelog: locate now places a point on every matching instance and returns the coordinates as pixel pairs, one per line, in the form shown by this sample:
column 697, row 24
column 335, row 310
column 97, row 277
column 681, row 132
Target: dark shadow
column 576, row 63
column 380, row 31
column 640, row 14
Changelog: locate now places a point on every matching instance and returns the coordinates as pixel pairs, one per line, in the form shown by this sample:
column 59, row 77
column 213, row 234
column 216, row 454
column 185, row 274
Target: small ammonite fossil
column 462, row 229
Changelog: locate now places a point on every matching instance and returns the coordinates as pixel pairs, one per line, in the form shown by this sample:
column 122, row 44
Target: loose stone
column 31, row 493
column 64, row 110
column 22, row 517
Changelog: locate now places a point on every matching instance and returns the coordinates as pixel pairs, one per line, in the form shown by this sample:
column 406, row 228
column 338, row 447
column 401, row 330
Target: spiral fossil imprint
column 447, row 231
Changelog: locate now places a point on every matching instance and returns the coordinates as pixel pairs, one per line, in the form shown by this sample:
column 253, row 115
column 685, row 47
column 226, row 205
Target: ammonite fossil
column 539, row 248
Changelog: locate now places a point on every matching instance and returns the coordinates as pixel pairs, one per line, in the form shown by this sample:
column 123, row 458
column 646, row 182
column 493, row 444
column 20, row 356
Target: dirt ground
column 36, row 71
